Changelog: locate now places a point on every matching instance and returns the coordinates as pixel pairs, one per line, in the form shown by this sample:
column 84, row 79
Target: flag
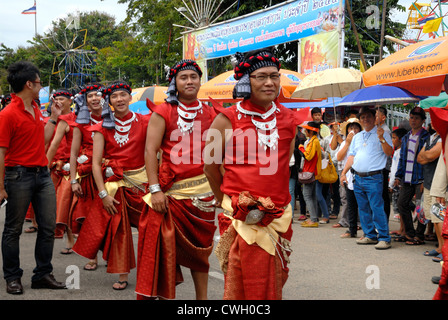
column 31, row 10
column 432, row 25
column 421, row 21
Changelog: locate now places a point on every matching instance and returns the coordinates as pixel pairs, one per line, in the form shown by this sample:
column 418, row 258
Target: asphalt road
column 323, row 267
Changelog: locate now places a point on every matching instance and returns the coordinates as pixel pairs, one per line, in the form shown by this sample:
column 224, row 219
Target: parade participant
column 439, row 120
column 367, row 158
column 177, row 226
column 253, row 142
column 58, row 155
column 85, row 193
column 121, row 179
column 25, row 178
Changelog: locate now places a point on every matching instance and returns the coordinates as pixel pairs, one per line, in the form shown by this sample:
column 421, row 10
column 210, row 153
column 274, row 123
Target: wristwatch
column 382, row 140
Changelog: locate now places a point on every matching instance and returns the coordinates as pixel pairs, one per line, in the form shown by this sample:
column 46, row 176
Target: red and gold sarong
column 181, row 237
column 64, row 197
column 112, row 233
column 254, row 257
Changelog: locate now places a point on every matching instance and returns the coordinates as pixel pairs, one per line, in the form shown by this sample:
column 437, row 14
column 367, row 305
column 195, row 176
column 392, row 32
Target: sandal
column 66, row 251
column 438, row 258
column 402, row 239
column 31, row 229
column 432, row 253
column 337, row 225
column 91, row 266
column 415, row 242
column 125, row 283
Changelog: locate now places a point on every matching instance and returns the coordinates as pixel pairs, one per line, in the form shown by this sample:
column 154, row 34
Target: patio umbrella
column 336, row 82
column 440, row 101
column 221, row 87
column 378, row 95
column 155, row 94
column 421, row 68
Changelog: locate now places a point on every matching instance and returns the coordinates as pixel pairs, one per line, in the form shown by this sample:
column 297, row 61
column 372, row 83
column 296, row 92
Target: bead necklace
column 265, row 140
column 122, row 129
column 184, row 126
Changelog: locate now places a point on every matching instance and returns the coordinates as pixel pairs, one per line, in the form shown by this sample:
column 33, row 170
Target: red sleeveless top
column 131, row 155
column 183, row 152
column 248, row 167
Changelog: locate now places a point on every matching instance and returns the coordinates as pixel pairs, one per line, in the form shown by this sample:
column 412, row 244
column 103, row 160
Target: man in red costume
column 255, row 224
column 118, row 167
column 85, row 193
column 58, row 155
column 439, row 121
column 177, row 226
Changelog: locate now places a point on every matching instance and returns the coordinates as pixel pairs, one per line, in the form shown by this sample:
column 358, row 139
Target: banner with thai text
column 278, row 24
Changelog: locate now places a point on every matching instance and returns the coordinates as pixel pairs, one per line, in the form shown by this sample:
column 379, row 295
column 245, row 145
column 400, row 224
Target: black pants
column 406, row 207
column 386, row 197
column 352, row 211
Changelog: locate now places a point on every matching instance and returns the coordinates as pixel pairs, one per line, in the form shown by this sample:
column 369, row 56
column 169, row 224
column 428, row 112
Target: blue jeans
column 292, row 192
column 321, row 200
column 368, row 192
column 25, row 187
column 309, row 194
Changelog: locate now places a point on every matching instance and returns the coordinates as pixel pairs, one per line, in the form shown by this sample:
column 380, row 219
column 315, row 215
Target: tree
column 47, row 50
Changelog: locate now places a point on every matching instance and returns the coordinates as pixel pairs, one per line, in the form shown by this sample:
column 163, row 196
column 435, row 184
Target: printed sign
column 279, row 24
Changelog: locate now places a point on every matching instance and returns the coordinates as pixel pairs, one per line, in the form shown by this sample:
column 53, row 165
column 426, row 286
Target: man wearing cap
column 253, row 142
column 177, row 225
column 58, row 155
column 367, row 158
column 85, row 193
column 118, row 167
column 25, row 178
column 409, row 176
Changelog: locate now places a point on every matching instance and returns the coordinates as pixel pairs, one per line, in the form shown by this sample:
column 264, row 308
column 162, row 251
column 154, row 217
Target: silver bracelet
column 155, row 188
column 103, row 194
column 74, row 181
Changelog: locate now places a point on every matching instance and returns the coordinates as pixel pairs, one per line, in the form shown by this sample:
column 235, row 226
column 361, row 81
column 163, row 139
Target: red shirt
column 131, row 155
column 22, row 135
column 247, row 166
column 182, row 152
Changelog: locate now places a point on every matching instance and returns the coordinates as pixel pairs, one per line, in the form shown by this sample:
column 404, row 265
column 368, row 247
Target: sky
column 17, row 28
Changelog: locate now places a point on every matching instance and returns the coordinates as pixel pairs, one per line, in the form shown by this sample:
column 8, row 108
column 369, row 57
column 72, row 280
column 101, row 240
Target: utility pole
column 355, row 31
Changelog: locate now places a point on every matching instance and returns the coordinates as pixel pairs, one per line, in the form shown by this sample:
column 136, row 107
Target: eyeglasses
column 39, row 82
column 264, row 77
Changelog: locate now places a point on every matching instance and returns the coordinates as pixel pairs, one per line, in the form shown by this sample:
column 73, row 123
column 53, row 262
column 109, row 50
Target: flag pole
column 35, row 20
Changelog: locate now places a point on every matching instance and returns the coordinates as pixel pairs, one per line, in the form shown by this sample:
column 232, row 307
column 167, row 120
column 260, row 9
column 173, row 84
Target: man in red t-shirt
column 248, row 169
column 25, row 179
column 177, row 225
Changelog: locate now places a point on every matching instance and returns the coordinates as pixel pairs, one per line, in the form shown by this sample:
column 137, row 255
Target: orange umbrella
column 420, row 68
column 155, row 94
column 221, row 87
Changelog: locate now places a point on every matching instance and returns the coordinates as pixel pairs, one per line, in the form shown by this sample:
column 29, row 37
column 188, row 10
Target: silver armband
column 155, row 188
column 103, row 194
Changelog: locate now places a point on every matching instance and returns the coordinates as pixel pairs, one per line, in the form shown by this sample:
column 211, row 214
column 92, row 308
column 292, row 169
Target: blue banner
column 279, row 24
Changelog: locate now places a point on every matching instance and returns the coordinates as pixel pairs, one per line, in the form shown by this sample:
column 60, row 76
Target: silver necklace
column 265, row 140
column 184, row 126
column 122, row 129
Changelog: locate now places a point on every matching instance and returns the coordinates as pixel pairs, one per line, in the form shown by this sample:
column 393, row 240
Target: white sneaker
column 383, row 245
column 366, row 240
